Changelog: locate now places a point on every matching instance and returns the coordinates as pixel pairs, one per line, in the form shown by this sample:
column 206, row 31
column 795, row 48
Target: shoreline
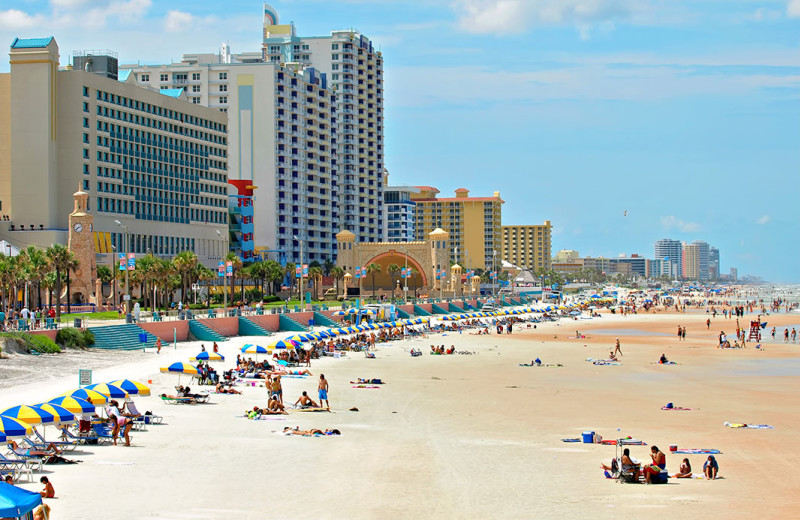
column 473, row 436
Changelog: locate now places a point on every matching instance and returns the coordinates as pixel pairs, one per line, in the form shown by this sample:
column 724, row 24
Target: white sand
column 451, row 436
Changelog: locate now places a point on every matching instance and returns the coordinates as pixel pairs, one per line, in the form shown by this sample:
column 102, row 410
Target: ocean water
column 764, row 368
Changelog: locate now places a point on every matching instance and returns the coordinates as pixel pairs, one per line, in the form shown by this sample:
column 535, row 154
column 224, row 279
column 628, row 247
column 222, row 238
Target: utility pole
column 302, row 273
column 127, row 296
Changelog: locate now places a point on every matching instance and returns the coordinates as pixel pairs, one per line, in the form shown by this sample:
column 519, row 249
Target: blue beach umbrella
column 60, row 414
column 29, row 415
column 254, row 349
column 73, row 404
column 13, row 428
column 16, row 502
column 109, row 390
column 208, row 356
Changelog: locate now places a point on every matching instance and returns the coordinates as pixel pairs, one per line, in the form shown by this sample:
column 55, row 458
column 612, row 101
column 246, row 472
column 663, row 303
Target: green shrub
column 74, row 338
column 197, row 306
column 41, row 343
column 271, row 299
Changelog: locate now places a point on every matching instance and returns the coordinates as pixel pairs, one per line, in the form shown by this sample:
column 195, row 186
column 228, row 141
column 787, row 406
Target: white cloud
column 14, row 19
column 514, row 16
column 178, row 21
column 793, row 9
column 672, row 222
column 763, row 219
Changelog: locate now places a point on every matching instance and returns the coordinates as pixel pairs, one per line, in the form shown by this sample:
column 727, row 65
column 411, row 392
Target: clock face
column 78, row 228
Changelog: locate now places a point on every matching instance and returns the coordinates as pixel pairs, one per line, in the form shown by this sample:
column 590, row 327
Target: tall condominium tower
column 672, row 251
column 695, row 261
column 355, row 70
column 713, row 263
column 528, row 247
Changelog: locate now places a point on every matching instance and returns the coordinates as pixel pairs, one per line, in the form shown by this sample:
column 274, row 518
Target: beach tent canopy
column 16, row 502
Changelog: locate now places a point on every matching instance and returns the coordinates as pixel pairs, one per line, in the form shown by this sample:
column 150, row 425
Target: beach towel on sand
column 697, row 451
column 751, row 426
column 674, row 408
column 603, row 361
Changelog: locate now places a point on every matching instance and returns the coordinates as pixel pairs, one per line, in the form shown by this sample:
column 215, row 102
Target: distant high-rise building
column 671, row 251
column 528, row 247
column 566, row 256
column 474, row 224
column 695, row 259
column 713, row 263
column 399, row 209
column 638, row 264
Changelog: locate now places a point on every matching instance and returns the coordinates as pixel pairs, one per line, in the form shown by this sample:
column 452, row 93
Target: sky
column 684, row 114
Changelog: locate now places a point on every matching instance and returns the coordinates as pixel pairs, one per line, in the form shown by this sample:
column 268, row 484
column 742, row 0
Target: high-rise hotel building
column 152, row 161
column 474, row 224
column 528, row 247
column 355, row 70
column 305, row 131
column 280, row 146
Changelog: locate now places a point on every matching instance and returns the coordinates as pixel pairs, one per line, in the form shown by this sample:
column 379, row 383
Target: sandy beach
column 460, row 436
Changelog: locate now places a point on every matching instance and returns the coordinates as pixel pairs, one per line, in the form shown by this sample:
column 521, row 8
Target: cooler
column 588, row 437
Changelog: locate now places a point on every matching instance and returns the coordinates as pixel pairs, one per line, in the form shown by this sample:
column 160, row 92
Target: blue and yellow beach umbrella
column 284, row 344
column 132, row 387
column 108, row 390
column 73, row 404
column 96, row 398
column 254, row 349
column 180, row 368
column 29, row 415
column 59, row 413
column 13, row 428
column 208, row 356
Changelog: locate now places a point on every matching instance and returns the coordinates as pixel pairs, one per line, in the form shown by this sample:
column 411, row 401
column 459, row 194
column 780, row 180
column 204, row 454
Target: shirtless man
column 305, row 402
column 323, row 391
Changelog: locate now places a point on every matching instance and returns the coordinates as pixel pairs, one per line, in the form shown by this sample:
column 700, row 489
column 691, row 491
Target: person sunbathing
column 362, row 381
column 191, row 400
column 51, row 449
column 685, row 470
column 612, row 356
column 220, row 389
column 305, row 402
column 276, row 407
column 663, row 359
column 309, row 433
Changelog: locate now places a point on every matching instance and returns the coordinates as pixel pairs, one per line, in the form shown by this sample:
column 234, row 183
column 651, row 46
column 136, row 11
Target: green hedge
column 271, row 299
column 74, row 338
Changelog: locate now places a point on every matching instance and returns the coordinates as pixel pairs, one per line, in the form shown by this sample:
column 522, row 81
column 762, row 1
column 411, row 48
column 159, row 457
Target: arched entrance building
column 423, row 257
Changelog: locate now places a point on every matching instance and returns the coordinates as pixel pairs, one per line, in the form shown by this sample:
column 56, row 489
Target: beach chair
column 44, row 443
column 103, row 434
column 83, row 438
column 21, row 456
column 16, row 468
column 178, row 400
column 146, row 418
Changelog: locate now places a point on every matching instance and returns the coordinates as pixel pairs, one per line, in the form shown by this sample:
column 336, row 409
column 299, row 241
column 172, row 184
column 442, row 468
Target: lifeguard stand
column 755, row 331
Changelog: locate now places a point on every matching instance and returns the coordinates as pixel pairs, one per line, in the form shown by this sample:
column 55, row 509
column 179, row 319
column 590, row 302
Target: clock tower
column 81, row 243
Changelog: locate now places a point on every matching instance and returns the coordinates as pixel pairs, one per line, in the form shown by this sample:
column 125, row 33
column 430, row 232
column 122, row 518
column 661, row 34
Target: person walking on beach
column 158, row 346
column 683, row 334
column 323, row 391
column 786, row 335
column 708, row 324
column 794, row 335
column 617, row 348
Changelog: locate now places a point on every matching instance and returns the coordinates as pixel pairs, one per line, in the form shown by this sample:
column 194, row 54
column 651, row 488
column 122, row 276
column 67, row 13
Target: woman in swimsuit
column 659, row 463
column 685, row 471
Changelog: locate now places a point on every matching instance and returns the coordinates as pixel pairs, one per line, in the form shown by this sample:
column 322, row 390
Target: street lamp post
column 127, row 296
column 114, row 269
column 494, row 270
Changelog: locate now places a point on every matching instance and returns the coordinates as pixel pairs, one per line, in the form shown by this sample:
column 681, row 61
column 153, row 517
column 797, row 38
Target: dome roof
column 438, row 232
column 345, row 236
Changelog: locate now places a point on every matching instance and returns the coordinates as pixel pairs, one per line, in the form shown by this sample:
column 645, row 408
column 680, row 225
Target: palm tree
column 61, row 260
column 162, row 271
column 273, row 273
column 37, row 268
column 393, row 269
column 337, row 273
column 145, row 270
column 289, row 271
column 327, row 265
column 204, row 274
column 185, row 262
column 373, row 269
column 105, row 274
column 315, row 273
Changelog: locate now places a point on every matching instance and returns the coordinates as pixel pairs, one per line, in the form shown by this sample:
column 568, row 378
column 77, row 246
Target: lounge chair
column 142, row 418
column 67, row 435
column 44, row 443
column 629, row 473
column 104, row 434
column 22, row 456
column 16, row 467
column 170, row 399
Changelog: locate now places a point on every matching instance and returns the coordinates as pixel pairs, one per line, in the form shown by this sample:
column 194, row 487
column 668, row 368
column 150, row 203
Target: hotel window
column 223, row 75
column 195, row 88
column 223, row 99
column 196, row 100
column 195, row 76
column 165, row 77
column 223, row 88
column 144, row 78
